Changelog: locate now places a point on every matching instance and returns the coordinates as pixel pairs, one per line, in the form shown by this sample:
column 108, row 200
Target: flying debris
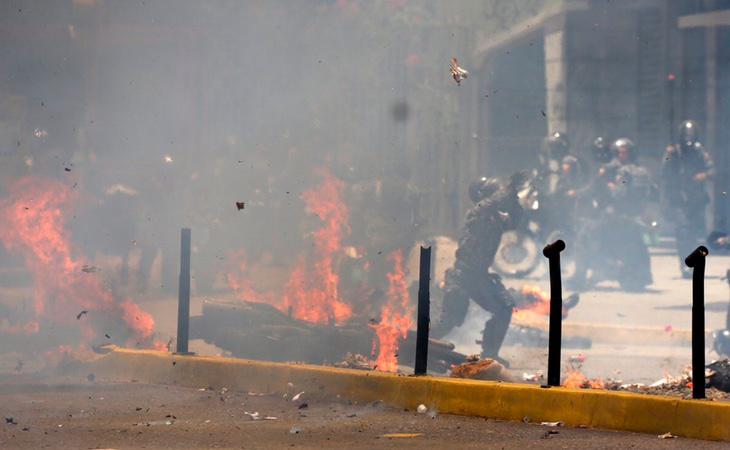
column 457, row 72
column 240, row 205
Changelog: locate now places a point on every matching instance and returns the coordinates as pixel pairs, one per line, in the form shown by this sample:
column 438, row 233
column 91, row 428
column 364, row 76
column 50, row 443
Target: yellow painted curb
column 593, row 408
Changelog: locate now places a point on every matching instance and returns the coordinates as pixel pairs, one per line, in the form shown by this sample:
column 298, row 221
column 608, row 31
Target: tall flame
column 395, row 316
column 312, row 291
column 32, row 225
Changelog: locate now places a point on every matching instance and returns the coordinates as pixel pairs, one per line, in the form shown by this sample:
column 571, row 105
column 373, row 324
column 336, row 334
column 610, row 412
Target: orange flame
column 32, row 224
column 312, row 291
column 576, row 380
column 538, row 308
column 395, row 316
column 239, row 280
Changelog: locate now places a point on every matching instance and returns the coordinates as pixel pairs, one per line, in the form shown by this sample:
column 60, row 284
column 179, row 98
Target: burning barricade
column 309, row 320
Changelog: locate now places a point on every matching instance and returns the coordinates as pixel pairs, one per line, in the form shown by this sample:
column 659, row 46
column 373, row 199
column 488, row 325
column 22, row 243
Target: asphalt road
column 127, row 416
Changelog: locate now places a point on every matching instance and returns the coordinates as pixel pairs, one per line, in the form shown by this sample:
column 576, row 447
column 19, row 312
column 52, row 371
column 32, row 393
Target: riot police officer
column 686, row 171
column 601, row 151
column 611, row 242
column 496, row 210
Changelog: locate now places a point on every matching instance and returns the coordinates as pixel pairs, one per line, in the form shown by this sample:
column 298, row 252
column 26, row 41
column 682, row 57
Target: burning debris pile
column 311, row 299
column 261, row 331
column 33, row 226
column 717, row 377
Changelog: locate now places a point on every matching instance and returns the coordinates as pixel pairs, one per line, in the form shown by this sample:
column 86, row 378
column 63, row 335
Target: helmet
column 557, row 145
column 601, row 150
column 689, row 134
column 627, row 144
column 483, row 188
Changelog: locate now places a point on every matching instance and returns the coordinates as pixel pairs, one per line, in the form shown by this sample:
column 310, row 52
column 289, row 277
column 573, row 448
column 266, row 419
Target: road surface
column 132, row 416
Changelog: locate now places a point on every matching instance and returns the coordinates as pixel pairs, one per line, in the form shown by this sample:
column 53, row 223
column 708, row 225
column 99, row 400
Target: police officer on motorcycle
column 686, row 170
column 496, row 210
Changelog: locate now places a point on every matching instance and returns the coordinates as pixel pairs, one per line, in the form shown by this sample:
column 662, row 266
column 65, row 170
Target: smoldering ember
column 361, row 223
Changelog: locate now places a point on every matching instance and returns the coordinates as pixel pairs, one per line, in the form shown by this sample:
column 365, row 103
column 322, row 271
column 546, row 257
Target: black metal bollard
column 183, row 298
column 552, row 253
column 424, row 312
column 696, row 260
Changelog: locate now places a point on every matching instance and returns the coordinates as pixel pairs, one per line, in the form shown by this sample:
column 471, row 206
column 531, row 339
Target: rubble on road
column 719, row 375
column 483, row 369
column 681, row 385
column 354, row 361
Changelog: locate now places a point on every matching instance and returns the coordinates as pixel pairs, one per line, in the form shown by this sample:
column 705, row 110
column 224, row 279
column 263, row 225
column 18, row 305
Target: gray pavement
column 132, row 416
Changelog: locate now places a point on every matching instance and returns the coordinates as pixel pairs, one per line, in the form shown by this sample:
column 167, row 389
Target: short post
column 183, row 298
column 696, row 261
column 424, row 312
column 552, row 253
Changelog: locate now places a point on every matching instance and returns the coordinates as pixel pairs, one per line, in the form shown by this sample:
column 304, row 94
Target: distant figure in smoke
column 496, row 210
column 611, row 242
column 686, row 171
column 558, row 179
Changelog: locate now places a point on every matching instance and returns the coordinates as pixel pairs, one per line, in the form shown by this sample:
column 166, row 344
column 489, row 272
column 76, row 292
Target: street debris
column 552, row 424
column 534, row 377
column 304, row 405
column 10, row 421
column 120, row 188
column 667, row 435
column 240, row 205
column 354, row 361
column 254, row 415
column 295, row 430
column 422, row 409
column 78, row 316
column 401, row 435
column 91, row 377
column 719, row 375
column 457, row 73
column 89, row 269
column 548, row 433
column 485, row 369
column 296, row 397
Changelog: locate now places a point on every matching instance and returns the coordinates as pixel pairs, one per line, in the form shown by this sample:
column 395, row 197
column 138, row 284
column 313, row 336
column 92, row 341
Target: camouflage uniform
column 497, row 212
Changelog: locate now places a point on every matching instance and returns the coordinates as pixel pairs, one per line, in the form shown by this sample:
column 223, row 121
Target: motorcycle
column 520, row 250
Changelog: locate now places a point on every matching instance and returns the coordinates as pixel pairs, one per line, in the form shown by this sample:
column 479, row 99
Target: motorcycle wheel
column 518, row 254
